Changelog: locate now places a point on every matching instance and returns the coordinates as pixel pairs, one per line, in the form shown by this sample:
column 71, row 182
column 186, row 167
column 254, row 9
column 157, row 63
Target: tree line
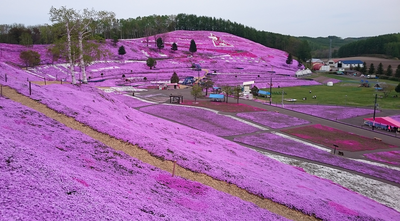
column 154, row 25
column 388, row 45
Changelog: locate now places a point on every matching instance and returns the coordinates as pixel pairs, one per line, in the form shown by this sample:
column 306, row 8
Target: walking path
column 146, row 157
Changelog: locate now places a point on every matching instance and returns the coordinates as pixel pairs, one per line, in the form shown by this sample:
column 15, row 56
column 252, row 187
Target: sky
column 342, row 18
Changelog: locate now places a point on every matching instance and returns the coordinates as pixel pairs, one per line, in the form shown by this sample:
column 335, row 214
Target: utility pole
column 373, row 124
column 270, row 92
column 330, row 47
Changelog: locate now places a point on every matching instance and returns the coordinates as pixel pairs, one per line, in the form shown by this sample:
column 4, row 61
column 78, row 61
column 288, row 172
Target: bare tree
column 84, row 21
column 68, row 18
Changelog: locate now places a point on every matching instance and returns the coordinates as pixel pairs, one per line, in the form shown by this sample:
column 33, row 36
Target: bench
column 377, row 138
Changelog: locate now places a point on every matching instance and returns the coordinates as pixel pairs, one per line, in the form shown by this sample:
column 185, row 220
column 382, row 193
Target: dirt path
column 146, row 157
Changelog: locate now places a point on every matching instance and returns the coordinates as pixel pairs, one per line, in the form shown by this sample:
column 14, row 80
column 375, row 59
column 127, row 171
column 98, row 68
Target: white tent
column 300, row 73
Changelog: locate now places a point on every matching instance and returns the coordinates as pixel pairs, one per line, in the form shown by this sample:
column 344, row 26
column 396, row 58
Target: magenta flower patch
column 201, row 119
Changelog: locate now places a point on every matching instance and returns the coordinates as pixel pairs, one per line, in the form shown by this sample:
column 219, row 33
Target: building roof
column 352, row 62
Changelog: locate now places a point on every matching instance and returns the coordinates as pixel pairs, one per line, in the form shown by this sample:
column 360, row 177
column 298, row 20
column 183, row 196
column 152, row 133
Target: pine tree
column 397, row 89
column 160, row 43
column 379, row 71
column 121, row 50
column 289, row 59
column 193, row 47
column 174, row 47
column 364, row 68
column 389, row 71
column 174, row 78
column 371, row 69
column 397, row 74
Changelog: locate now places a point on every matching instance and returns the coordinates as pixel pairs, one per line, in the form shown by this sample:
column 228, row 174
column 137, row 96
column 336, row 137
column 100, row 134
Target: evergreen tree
column 174, row 47
column 379, row 71
column 193, row 47
column 389, row 71
column 174, row 78
column 160, row 43
column 397, row 89
column 371, row 69
column 364, row 68
column 358, row 68
column 397, row 74
column 121, row 50
column 151, row 62
column 289, row 59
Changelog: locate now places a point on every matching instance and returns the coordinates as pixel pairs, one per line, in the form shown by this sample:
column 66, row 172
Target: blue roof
column 217, row 96
column 264, row 92
column 353, row 62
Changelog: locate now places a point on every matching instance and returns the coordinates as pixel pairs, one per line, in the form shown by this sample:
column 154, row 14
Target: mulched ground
column 328, row 136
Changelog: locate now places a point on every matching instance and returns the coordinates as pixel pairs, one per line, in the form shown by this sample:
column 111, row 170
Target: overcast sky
column 343, row 18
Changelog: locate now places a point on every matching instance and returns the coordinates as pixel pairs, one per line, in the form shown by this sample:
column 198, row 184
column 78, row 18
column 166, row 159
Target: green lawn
column 344, row 93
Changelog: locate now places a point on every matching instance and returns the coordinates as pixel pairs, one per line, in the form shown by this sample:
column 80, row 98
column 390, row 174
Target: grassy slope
column 336, row 95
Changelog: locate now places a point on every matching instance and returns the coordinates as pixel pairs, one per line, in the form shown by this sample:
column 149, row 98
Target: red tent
column 383, row 121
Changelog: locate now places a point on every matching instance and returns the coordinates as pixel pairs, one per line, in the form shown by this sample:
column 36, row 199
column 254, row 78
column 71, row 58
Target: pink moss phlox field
column 73, row 177
column 129, row 101
column 273, row 119
column 222, row 106
column 206, row 153
column 389, row 157
column 396, row 117
column 346, row 141
column 231, row 56
column 329, row 112
column 282, row 145
column 201, row 119
column 203, row 152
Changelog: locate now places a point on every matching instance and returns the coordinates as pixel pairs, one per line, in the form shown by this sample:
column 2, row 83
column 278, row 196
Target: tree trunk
column 71, row 65
column 82, row 63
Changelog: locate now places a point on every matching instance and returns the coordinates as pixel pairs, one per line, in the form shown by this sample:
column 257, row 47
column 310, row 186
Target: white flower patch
column 300, row 141
column 381, row 192
column 246, row 122
column 145, row 53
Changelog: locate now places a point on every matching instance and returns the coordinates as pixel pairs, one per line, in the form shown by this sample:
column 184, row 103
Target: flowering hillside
column 51, row 172
column 205, row 153
column 230, row 59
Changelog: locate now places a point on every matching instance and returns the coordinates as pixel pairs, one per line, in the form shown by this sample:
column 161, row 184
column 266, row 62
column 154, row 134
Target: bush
column 30, row 58
column 394, row 79
column 383, row 77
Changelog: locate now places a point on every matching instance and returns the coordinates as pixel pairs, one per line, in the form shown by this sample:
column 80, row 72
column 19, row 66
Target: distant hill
column 320, row 46
column 386, row 45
